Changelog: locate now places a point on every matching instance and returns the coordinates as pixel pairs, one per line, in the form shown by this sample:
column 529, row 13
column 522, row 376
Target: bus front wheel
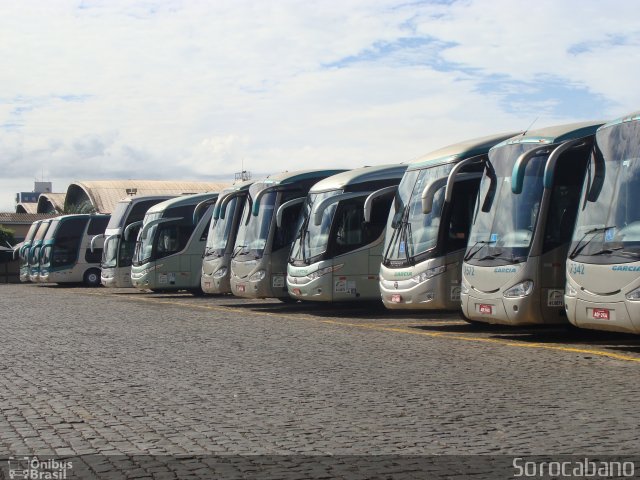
column 92, row 278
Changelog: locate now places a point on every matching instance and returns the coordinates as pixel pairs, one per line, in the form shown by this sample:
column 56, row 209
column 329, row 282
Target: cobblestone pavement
column 98, row 371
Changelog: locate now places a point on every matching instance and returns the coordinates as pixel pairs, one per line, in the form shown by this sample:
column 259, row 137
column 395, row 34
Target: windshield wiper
column 616, row 251
column 237, row 250
column 493, row 256
column 397, row 230
column 578, row 248
column 473, row 253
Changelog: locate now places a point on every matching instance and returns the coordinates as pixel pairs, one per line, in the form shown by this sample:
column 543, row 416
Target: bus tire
column 92, row 277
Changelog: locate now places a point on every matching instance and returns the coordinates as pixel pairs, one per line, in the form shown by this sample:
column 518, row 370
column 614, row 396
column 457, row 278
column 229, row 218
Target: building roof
column 103, row 195
column 51, row 202
column 26, row 207
column 11, row 218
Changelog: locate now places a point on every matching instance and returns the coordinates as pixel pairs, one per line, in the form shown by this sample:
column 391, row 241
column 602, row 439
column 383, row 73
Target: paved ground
column 97, row 371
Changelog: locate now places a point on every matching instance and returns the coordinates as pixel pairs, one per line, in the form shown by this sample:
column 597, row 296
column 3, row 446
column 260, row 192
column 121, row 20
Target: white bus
column 120, row 238
column 67, row 256
column 216, row 263
column 514, row 266
column 170, row 244
column 23, row 251
column 34, row 252
column 603, row 268
column 259, row 260
column 338, row 247
column 429, row 224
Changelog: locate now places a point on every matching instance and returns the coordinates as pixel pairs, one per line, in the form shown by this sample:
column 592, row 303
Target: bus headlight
column 256, row 277
column 521, row 289
column 324, row 271
column 430, row 273
column 634, row 295
column 222, row 271
column 570, row 291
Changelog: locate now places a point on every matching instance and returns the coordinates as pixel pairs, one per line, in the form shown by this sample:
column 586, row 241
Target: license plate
column 241, row 288
column 601, row 314
column 485, row 309
column 396, row 298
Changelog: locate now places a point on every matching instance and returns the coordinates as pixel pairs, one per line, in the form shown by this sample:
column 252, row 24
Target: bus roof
column 136, row 199
column 360, row 175
column 286, row 178
column 81, row 215
column 237, row 187
column 632, row 117
column 459, row 151
column 554, row 134
column 183, row 200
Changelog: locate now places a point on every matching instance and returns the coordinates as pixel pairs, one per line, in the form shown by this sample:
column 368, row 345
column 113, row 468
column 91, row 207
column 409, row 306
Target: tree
column 7, row 236
column 73, row 209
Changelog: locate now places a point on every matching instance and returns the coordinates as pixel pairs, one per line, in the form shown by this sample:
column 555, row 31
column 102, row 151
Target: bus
column 513, row 271
column 428, row 226
column 259, row 259
column 67, row 256
column 170, row 244
column 33, row 252
column 23, row 251
column 337, row 251
column 603, row 267
column 216, row 263
column 120, row 238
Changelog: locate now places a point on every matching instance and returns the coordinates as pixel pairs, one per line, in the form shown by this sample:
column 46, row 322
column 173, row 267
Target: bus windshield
column 608, row 229
column 312, row 240
column 254, row 230
column 119, row 214
column 411, row 233
column 503, row 235
column 221, row 228
column 144, row 245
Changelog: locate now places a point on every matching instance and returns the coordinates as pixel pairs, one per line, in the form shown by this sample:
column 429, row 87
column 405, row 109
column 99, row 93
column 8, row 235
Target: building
column 27, row 202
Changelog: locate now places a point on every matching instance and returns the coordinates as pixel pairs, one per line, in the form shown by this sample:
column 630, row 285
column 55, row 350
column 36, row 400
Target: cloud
column 196, row 89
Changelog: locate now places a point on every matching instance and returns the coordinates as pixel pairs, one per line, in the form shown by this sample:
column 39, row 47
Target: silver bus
column 603, row 268
column 120, row 238
column 259, row 260
column 67, row 256
column 170, row 244
column 514, row 267
column 23, row 250
column 216, row 263
column 338, row 247
column 428, row 226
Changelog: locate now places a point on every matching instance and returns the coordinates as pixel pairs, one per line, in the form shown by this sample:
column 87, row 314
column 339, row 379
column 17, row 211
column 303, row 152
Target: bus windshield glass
column 411, row 233
column 221, row 228
column 254, row 230
column 46, row 230
column 312, row 240
column 608, row 229
column 503, row 235
column 118, row 216
column 144, row 245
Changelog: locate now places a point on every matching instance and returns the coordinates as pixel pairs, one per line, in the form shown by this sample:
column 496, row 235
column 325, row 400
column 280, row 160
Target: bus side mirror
column 520, row 167
column 284, row 206
column 368, row 203
column 429, row 193
column 599, row 170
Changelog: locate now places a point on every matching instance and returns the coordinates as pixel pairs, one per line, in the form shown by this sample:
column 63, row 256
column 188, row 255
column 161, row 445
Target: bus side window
column 565, row 197
column 461, row 212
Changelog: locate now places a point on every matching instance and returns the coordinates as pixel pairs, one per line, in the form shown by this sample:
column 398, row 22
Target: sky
column 198, row 90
